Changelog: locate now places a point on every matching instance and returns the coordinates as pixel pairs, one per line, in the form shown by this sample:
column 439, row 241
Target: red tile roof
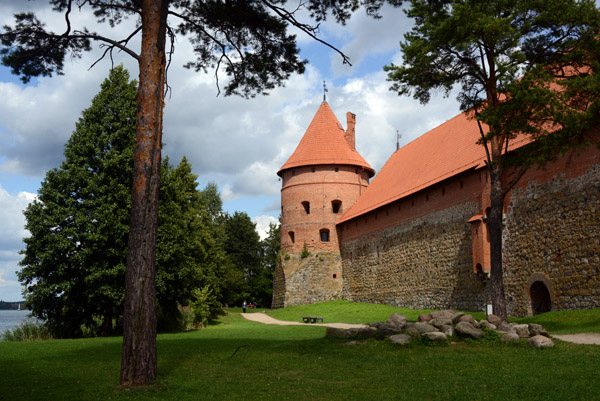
column 441, row 153
column 324, row 143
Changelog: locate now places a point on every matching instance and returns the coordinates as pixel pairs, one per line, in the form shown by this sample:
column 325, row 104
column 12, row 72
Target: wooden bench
column 312, row 319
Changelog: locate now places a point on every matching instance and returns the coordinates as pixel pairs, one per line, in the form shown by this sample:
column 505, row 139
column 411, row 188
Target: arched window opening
column 336, row 206
column 540, row 298
column 334, row 275
column 324, row 235
column 292, row 236
column 306, row 206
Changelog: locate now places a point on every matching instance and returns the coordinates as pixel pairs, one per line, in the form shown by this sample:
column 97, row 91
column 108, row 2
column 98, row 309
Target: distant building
column 417, row 237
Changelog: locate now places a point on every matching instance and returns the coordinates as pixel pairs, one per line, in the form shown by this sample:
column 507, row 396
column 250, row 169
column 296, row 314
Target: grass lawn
column 297, row 363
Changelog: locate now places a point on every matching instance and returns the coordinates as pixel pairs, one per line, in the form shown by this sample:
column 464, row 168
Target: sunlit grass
column 236, row 359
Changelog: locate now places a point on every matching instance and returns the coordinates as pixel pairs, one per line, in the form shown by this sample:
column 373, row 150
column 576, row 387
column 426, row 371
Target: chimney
column 350, row 133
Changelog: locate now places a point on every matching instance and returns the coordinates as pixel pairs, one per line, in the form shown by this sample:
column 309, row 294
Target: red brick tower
column 324, row 177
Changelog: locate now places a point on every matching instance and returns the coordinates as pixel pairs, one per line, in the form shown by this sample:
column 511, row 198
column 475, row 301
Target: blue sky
column 239, row 144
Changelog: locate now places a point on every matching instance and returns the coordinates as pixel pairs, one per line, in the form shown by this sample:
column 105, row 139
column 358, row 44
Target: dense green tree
column 74, row 261
column 524, row 67
column 189, row 254
column 250, row 279
column 245, row 39
column 271, row 246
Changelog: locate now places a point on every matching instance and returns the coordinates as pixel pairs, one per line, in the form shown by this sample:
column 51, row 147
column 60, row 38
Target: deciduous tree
column 74, row 261
column 524, row 67
column 190, row 254
column 271, row 246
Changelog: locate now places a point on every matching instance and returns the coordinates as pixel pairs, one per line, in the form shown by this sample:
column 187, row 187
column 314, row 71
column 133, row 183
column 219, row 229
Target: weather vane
column 324, row 92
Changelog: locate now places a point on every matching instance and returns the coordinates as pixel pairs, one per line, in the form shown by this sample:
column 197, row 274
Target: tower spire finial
column 324, row 92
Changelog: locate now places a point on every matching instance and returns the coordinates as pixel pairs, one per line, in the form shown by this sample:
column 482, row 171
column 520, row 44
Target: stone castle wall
column 314, row 278
column 423, row 263
column 552, row 233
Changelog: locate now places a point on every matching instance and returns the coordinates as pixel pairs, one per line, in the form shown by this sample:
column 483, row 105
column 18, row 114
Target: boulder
column 365, row 332
column 397, row 319
column 505, row 327
column 540, row 341
column 334, row 332
column 522, row 330
column 416, row 329
column 400, row 338
column 442, row 313
column 435, row 336
column 466, row 318
column 386, row 330
column 510, row 338
column 466, row 329
column 487, row 325
column 424, row 318
column 447, row 329
column 456, row 316
column 441, row 321
column 493, row 319
column 537, row 330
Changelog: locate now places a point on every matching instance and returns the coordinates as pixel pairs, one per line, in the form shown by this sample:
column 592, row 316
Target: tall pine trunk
column 138, row 364
column 494, row 221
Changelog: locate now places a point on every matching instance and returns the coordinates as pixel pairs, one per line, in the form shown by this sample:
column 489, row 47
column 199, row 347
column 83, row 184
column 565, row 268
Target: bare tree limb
column 306, row 28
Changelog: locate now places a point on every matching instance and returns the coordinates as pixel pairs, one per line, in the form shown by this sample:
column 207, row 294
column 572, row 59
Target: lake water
column 11, row 318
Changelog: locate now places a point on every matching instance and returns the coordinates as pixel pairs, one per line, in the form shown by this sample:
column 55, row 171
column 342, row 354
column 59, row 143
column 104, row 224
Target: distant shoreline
column 11, row 305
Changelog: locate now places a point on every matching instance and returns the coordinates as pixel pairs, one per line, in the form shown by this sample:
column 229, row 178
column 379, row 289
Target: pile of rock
column 439, row 325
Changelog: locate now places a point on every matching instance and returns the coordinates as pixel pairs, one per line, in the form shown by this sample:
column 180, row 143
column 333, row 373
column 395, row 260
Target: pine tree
column 248, row 40
column 525, row 67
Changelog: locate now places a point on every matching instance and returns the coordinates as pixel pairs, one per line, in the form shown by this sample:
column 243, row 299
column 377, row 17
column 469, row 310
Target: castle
column 416, row 236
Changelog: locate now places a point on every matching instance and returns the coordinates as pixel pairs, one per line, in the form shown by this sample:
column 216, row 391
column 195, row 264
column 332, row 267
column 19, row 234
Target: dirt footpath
column 264, row 318
column 581, row 338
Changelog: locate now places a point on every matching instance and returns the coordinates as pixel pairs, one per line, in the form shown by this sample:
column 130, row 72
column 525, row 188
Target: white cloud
column 237, row 143
column 13, row 230
column 262, row 224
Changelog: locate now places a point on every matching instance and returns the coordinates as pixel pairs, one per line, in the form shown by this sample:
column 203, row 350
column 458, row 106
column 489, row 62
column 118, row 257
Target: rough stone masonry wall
column 553, row 228
column 301, row 281
column 422, row 263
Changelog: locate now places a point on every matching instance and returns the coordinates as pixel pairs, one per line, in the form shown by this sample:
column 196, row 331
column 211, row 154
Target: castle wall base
column 314, row 278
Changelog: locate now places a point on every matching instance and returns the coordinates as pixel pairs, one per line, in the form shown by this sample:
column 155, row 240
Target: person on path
column 244, row 306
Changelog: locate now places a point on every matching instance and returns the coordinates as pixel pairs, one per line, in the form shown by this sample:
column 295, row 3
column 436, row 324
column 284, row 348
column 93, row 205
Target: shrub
column 304, row 253
column 29, row 330
column 204, row 306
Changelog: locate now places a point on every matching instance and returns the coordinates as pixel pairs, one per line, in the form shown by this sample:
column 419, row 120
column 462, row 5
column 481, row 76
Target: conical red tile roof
column 441, row 153
column 324, row 143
